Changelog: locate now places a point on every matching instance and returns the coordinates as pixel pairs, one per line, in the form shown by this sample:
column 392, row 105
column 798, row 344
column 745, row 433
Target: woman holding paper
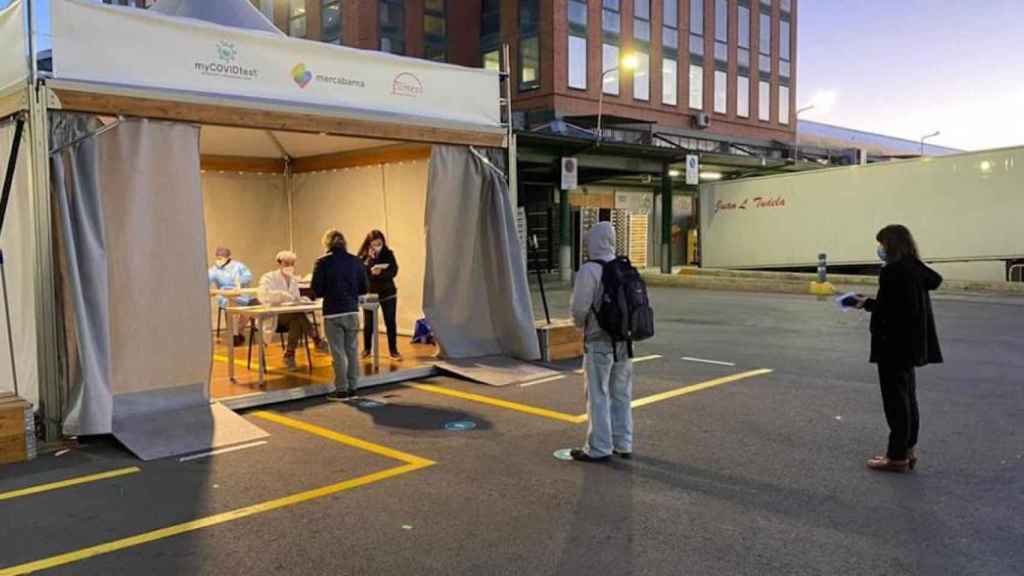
column 903, row 338
column 381, row 269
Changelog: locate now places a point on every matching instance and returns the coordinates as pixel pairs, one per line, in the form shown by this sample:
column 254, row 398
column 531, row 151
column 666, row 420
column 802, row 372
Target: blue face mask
column 882, row 255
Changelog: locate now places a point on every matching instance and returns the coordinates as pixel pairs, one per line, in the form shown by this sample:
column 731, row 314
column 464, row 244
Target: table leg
column 263, row 352
column 231, row 344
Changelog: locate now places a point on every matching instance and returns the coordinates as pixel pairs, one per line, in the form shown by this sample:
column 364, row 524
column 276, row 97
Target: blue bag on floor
column 423, row 334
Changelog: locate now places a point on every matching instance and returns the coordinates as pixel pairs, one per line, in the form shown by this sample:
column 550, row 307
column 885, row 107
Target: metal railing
column 1017, row 273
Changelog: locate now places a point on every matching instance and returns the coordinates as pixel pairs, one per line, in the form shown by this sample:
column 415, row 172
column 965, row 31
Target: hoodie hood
column 929, row 278
column 601, row 242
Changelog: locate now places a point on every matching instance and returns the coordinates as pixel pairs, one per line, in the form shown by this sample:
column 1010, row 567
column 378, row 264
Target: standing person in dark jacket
column 381, row 269
column 340, row 280
column 903, row 337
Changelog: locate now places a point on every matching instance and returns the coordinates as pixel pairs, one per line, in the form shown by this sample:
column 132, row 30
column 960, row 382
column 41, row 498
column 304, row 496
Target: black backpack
column 624, row 311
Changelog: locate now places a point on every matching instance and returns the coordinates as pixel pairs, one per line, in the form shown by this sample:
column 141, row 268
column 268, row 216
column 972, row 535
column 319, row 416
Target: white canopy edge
column 14, row 62
column 198, row 62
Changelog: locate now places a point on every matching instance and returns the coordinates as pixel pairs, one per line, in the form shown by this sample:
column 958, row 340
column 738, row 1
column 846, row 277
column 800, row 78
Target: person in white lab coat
column 228, row 274
column 282, row 287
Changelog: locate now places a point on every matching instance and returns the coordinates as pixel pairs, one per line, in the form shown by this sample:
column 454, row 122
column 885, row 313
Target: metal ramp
column 494, row 370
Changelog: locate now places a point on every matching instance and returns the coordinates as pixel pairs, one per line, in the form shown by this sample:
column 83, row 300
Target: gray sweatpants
column 342, row 335
column 609, row 388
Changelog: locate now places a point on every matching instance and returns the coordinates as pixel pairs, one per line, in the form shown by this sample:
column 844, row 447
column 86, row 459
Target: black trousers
column 389, row 307
column 899, row 399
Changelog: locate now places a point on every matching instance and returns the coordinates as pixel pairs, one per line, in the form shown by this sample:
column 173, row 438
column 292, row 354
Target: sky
column 912, row 67
column 904, row 67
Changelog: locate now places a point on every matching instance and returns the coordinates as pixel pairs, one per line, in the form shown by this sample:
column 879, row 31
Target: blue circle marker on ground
column 563, row 454
column 369, row 404
column 460, row 425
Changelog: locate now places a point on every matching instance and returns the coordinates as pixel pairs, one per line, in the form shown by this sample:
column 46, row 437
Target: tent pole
column 33, row 65
column 4, row 198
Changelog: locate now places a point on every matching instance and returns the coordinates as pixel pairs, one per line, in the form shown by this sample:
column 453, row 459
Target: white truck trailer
column 966, row 211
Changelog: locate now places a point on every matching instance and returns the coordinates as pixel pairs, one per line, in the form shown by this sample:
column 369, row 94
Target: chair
column 220, row 314
column 280, row 331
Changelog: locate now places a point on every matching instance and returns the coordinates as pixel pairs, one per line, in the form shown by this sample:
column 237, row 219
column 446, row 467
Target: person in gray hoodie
column 608, row 373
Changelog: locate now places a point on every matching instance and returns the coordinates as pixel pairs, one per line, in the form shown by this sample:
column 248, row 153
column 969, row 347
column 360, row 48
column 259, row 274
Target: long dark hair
column 364, row 251
column 898, row 243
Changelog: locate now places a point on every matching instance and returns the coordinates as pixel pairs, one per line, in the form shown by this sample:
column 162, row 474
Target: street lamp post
column 927, row 136
column 628, row 62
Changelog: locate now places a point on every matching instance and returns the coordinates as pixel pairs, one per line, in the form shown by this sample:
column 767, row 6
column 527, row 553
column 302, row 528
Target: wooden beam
column 13, row 102
column 367, row 157
column 241, row 164
column 267, row 118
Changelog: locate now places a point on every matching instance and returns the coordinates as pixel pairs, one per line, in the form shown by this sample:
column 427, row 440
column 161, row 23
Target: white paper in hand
column 843, row 297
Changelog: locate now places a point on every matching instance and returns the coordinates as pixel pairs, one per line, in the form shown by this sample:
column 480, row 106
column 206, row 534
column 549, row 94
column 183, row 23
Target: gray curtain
column 132, row 265
column 475, row 294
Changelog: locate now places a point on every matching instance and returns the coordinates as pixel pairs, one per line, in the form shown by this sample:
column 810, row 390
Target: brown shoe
column 883, row 464
column 912, row 458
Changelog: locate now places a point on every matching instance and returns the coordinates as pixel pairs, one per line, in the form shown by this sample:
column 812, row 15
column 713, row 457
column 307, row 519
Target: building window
column 267, row 8
column 330, row 21
column 642, row 49
column 669, row 81
column 743, row 96
column 611, row 27
column 578, row 44
column 297, row 26
column 697, row 54
column 784, row 47
column 743, row 36
column 722, row 31
column 670, row 53
column 392, row 26
column 783, row 104
column 490, row 34
column 764, row 101
column 764, row 47
column 529, row 45
column 721, row 91
column 610, row 64
column 696, row 87
column 435, row 31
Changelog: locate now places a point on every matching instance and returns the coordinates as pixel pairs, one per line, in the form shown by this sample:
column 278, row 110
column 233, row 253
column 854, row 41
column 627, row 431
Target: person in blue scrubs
column 226, row 274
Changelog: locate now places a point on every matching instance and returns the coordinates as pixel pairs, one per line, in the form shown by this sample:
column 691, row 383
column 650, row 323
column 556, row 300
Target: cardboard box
column 560, row 340
column 17, row 430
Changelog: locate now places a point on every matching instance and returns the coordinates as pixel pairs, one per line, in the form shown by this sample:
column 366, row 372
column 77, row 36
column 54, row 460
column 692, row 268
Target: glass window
column 743, row 19
column 392, row 26
column 297, row 18
column 765, row 32
column 669, row 82
column 721, row 51
column 784, row 39
column 697, row 16
column 529, row 63
column 722, row 20
column 784, row 69
column 529, row 17
column 765, row 65
column 642, row 30
column 696, row 45
column 578, row 15
column 610, row 61
column 611, row 4
column 696, row 87
column 786, row 5
column 642, row 9
column 743, row 96
column 743, row 58
column 611, row 24
column 642, row 21
column 764, row 101
column 434, row 26
column 721, row 91
column 642, row 76
column 670, row 13
column 670, row 39
column 492, row 60
column 783, row 104
column 435, row 31
column 577, row 62
column 434, row 5
column 267, row 7
column 330, row 17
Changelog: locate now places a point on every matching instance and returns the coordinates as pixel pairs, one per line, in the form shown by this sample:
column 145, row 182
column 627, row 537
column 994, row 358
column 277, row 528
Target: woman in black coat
column 903, row 338
column 381, row 269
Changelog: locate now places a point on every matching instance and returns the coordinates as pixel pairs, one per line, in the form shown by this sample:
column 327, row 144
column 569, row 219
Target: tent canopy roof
column 233, row 13
column 224, row 141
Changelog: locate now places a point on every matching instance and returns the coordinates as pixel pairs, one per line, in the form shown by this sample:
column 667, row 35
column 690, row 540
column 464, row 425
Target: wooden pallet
column 560, row 340
column 17, row 433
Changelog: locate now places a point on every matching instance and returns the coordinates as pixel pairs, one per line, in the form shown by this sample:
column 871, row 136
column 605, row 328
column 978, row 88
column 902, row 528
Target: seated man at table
column 228, row 274
column 279, row 288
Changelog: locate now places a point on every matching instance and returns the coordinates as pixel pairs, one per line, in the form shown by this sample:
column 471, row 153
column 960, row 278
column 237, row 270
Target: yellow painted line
column 543, row 412
column 697, row 387
column 412, row 463
column 237, row 514
column 67, row 483
column 343, row 439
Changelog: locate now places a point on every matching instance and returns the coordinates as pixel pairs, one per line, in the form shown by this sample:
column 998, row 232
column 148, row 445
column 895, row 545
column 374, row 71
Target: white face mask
column 222, row 262
column 288, row 271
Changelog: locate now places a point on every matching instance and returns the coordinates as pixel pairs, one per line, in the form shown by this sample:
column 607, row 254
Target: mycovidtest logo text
column 227, row 53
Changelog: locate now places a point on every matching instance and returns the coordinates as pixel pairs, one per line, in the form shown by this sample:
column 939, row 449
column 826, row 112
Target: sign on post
column 692, row 170
column 570, row 174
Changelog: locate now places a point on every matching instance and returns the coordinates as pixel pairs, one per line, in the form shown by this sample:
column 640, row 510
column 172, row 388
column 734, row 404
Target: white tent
column 124, row 133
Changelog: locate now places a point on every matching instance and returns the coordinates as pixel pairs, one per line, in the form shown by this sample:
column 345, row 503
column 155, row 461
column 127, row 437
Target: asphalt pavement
column 762, row 474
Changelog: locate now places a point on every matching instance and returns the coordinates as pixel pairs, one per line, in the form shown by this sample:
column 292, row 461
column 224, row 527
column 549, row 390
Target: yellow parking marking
column 697, row 387
column 543, row 412
column 411, row 464
column 67, row 483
